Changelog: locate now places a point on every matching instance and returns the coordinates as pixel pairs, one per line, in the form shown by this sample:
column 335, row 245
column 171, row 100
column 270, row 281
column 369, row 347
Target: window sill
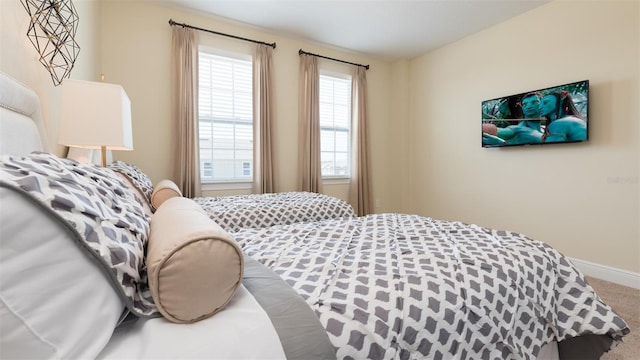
column 231, row 185
column 336, row 181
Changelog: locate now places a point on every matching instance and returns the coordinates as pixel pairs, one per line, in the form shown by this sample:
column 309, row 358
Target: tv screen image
column 557, row 114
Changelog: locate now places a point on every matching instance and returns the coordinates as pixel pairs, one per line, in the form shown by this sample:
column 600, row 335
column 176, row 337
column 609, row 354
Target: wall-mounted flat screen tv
column 557, row 114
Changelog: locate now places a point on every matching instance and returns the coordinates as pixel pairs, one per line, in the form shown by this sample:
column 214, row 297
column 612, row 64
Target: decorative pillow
column 136, row 176
column 194, row 266
column 140, row 197
column 55, row 302
column 163, row 191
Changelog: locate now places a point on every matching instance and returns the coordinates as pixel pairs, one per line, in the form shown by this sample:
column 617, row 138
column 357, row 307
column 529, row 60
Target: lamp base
column 103, row 156
column 88, row 156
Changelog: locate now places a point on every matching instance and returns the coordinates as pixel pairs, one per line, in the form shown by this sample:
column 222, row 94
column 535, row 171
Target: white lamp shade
column 95, row 114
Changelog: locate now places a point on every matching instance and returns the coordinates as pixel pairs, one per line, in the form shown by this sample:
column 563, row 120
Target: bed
column 235, row 212
column 74, row 242
column 82, row 261
column 258, row 211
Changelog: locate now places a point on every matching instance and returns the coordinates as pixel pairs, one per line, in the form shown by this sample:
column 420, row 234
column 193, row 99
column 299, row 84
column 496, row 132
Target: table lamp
column 95, row 115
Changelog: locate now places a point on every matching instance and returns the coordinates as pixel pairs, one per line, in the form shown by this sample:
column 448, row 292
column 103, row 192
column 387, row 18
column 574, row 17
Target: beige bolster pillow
column 194, row 266
column 164, row 190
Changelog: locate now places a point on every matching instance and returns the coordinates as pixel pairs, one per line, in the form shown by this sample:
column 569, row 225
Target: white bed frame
column 21, row 125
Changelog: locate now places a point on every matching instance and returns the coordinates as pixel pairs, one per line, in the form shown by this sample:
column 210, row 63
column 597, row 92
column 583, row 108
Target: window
column 225, row 113
column 335, row 124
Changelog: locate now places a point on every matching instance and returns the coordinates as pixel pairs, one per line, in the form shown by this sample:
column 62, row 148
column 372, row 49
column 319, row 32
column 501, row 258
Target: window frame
column 229, row 184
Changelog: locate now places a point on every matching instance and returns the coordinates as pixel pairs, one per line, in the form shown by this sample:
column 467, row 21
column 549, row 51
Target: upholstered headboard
column 21, row 126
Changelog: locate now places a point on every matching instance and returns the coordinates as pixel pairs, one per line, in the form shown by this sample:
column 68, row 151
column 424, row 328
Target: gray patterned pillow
column 99, row 207
column 136, row 176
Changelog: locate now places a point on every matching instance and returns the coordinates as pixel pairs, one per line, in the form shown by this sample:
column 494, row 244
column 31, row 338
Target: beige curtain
column 186, row 161
column 310, row 168
column 360, row 188
column 263, row 168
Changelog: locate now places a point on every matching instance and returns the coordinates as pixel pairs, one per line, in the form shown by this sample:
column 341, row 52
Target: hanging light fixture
column 52, row 32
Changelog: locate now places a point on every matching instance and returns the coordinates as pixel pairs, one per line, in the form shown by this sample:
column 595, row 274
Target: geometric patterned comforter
column 392, row 286
column 258, row 211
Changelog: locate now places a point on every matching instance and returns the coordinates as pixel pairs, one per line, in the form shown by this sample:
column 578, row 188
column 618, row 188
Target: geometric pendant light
column 52, row 32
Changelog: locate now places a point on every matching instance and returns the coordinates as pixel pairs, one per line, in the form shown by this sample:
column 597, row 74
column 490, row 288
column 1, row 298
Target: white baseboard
column 618, row 276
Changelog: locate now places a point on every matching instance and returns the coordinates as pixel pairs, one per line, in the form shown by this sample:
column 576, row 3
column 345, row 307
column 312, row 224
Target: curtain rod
column 300, row 52
column 172, row 23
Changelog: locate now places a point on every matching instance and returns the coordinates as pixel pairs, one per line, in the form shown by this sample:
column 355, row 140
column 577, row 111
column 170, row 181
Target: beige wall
column 136, row 53
column 580, row 198
column 19, row 59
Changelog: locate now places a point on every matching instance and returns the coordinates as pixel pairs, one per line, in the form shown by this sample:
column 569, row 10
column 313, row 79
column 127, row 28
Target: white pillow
column 55, row 302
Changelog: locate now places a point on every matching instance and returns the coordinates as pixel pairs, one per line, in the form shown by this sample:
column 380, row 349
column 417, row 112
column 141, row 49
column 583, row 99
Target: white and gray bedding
column 394, row 286
column 387, row 286
column 301, row 335
column 109, row 224
column 257, row 211
column 266, row 312
column 99, row 208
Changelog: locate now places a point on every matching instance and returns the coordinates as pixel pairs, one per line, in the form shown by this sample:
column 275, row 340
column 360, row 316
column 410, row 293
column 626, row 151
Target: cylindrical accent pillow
column 194, row 266
column 164, row 190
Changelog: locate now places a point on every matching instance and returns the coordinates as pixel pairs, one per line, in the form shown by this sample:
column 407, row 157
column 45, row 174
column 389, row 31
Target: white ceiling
column 386, row 29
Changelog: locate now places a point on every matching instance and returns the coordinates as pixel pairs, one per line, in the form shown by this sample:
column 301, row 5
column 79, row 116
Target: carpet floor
column 626, row 302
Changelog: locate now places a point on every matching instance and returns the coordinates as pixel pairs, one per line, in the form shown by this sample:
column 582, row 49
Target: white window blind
column 335, row 125
column 225, row 113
